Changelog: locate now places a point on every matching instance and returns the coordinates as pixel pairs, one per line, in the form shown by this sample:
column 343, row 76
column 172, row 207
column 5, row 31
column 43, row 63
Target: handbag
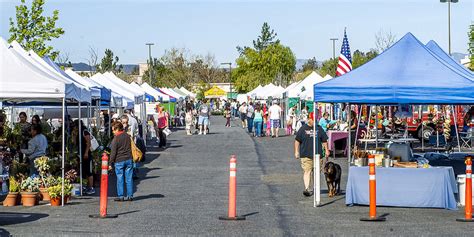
column 167, row 131
column 137, row 154
column 94, row 142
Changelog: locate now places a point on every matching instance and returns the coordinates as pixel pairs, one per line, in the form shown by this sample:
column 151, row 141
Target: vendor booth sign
column 151, row 107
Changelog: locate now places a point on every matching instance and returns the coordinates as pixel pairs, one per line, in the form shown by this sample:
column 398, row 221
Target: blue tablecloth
column 404, row 187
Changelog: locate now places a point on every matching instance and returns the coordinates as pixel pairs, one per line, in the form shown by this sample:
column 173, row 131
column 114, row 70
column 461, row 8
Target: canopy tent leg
column 368, row 125
column 376, row 127
column 316, row 161
column 80, row 146
column 97, row 116
column 89, row 112
column 456, row 127
column 422, row 135
column 349, row 145
column 358, row 127
column 12, row 116
column 63, row 150
column 110, row 120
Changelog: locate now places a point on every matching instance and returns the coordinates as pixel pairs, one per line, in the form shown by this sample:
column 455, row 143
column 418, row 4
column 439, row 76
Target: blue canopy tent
column 436, row 49
column 406, row 73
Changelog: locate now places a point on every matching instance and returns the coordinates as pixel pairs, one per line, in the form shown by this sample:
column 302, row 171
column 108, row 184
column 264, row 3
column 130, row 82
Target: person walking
column 250, row 111
column 243, row 114
column 203, row 120
column 121, row 159
column 233, row 106
column 274, row 113
column 304, row 150
column 258, row 121
column 189, row 120
column 227, row 116
column 162, row 125
column 36, row 147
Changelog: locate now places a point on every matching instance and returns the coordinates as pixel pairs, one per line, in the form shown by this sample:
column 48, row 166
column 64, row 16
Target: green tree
column 310, row 65
column 31, row 29
column 359, row 58
column 471, row 47
column 328, row 67
column 109, row 63
column 269, row 61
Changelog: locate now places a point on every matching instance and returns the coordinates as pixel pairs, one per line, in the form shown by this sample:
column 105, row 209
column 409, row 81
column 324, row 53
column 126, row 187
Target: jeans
column 258, row 128
column 121, row 168
column 250, row 124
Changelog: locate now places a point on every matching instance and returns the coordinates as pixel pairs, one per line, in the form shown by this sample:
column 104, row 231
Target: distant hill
column 127, row 68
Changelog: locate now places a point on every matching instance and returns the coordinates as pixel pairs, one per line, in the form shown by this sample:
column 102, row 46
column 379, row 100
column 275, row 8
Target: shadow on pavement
column 11, row 218
column 149, row 196
column 4, row 233
column 125, row 213
column 150, row 177
column 331, row 202
column 251, row 214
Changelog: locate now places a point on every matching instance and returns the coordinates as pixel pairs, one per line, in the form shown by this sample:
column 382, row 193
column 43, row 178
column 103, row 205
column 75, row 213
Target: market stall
column 397, row 76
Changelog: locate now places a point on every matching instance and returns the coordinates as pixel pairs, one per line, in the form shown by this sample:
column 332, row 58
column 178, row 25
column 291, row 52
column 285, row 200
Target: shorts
column 306, row 164
column 243, row 117
column 275, row 123
column 203, row 120
column 87, row 167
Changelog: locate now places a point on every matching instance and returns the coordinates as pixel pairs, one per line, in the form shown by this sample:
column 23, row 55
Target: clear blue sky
column 218, row 26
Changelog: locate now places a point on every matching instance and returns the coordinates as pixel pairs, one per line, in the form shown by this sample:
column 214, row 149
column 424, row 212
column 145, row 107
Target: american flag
column 345, row 60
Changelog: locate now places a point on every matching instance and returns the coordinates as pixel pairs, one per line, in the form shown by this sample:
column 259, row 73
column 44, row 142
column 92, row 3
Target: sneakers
column 308, row 193
column 128, row 199
column 119, row 199
column 90, row 191
column 200, row 133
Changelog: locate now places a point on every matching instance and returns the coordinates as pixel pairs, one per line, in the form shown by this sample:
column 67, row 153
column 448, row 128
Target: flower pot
column 55, row 202
column 29, row 199
column 11, row 200
column 67, row 199
column 44, row 195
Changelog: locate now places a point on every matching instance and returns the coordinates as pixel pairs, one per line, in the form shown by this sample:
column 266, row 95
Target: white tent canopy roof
column 21, row 82
column 150, row 90
column 171, row 93
column 189, row 93
column 304, row 90
column 117, row 91
column 137, row 95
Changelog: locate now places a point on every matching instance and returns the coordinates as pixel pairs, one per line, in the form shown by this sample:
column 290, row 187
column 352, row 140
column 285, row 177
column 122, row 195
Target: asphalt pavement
column 183, row 190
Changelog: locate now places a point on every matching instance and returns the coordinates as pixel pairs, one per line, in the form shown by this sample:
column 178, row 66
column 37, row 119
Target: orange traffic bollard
column 232, row 213
column 104, row 187
column 372, row 193
column 468, row 202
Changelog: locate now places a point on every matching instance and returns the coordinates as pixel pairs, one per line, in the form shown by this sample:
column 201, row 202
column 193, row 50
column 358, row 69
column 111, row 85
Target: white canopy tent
column 150, row 90
column 189, row 93
column 127, row 98
column 254, row 92
column 137, row 95
column 171, row 93
column 304, row 90
column 21, row 81
column 72, row 92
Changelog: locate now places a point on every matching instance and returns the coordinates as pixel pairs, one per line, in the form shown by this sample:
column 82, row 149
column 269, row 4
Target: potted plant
column 55, row 194
column 29, row 191
column 42, row 165
column 12, row 197
column 67, row 188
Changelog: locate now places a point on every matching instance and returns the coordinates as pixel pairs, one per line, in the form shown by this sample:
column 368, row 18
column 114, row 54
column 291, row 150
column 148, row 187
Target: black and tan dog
column 333, row 173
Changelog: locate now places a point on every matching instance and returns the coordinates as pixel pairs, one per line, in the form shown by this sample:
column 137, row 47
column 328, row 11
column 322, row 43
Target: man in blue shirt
column 325, row 122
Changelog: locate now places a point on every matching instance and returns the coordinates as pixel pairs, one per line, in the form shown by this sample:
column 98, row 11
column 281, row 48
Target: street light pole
column 449, row 21
column 333, row 47
column 150, row 64
column 230, row 77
